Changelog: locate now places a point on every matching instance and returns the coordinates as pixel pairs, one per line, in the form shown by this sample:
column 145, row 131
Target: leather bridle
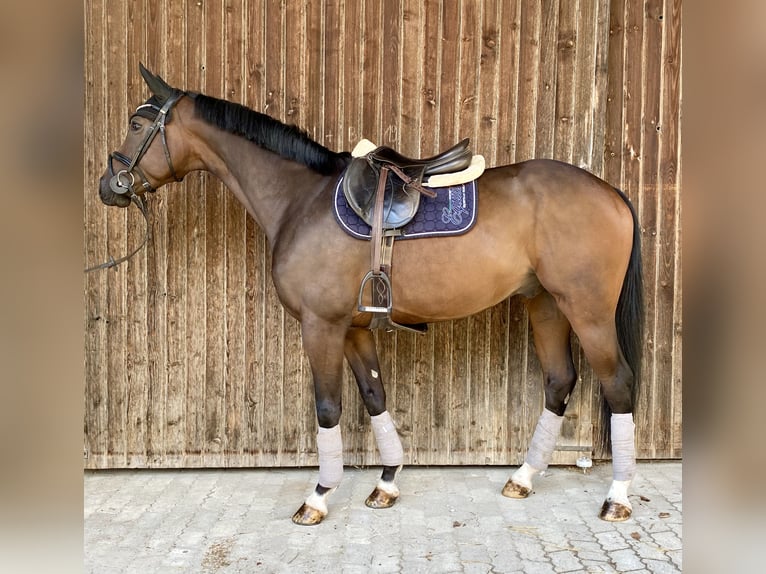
column 123, row 182
column 117, row 184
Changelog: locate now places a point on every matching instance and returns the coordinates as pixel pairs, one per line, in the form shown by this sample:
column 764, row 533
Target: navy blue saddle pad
column 451, row 212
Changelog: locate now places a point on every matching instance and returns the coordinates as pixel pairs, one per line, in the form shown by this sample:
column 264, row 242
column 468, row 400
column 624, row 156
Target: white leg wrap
column 330, row 451
column 389, row 445
column 623, row 447
column 544, row 440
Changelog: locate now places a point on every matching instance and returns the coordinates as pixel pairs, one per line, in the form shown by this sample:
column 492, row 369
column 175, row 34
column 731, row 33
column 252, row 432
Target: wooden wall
column 190, row 360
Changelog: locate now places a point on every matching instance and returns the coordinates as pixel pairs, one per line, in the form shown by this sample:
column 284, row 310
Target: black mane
column 288, row 141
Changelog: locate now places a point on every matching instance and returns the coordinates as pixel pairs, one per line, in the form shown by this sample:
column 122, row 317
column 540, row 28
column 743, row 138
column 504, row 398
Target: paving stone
column 565, row 561
column 626, row 560
column 448, row 520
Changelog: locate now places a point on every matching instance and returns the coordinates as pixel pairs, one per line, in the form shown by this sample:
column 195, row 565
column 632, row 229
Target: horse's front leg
column 363, row 358
column 323, row 343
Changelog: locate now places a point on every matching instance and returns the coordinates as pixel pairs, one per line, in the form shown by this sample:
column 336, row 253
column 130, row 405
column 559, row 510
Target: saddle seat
column 453, row 159
column 404, row 181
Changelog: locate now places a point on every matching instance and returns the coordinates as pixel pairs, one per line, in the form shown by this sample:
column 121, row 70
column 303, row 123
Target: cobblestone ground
column 448, row 520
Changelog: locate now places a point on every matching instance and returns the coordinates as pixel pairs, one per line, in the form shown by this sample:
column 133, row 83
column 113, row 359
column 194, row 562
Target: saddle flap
column 360, row 182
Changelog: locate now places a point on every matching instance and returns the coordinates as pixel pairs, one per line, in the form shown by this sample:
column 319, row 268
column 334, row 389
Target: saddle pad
column 451, row 212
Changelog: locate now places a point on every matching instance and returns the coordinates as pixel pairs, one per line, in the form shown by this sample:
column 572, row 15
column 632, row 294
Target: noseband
column 123, row 182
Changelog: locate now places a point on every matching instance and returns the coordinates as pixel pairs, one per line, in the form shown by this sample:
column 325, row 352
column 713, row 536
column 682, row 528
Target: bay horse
column 565, row 240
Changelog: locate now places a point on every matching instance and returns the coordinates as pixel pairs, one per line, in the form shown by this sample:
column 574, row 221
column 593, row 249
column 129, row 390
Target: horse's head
column 143, row 162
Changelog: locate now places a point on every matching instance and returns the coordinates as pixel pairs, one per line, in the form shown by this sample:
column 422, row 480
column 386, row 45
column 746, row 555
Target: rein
column 140, row 202
column 123, row 182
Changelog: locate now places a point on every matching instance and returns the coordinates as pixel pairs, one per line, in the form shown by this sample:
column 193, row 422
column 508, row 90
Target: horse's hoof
column 308, row 516
column 515, row 490
column 379, row 498
column 614, row 511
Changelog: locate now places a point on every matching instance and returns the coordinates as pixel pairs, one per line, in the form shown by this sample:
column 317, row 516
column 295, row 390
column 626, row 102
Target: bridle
column 123, row 182
column 117, row 184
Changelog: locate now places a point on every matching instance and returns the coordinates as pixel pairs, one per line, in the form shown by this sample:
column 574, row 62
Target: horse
column 553, row 233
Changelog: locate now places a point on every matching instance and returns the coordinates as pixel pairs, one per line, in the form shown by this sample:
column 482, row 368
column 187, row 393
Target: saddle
column 400, row 177
column 383, row 187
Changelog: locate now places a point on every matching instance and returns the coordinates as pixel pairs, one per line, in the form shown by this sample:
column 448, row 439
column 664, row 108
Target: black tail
column 629, row 320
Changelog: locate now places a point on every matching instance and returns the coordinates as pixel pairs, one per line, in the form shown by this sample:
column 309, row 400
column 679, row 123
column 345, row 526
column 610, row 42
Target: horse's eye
column 135, row 126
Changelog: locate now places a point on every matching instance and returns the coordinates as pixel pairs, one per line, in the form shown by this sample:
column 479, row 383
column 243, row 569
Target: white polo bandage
column 330, row 451
column 544, row 440
column 389, row 445
column 623, row 446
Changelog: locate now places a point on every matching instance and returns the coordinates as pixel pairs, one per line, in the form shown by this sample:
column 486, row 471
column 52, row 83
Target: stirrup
column 380, row 286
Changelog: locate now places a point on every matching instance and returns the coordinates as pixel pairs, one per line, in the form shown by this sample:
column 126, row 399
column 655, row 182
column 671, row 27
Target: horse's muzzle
column 108, row 197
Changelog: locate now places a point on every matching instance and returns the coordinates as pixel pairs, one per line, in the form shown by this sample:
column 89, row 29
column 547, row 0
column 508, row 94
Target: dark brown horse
column 562, row 238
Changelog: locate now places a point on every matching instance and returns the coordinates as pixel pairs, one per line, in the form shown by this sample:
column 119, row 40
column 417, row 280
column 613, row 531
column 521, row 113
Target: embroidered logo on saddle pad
column 451, row 212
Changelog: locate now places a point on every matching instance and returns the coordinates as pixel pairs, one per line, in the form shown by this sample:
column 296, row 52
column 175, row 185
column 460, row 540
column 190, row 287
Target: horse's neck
column 267, row 185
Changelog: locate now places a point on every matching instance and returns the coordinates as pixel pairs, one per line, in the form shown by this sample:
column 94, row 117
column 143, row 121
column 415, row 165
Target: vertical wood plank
column 528, row 84
column 656, row 401
column 499, row 79
column 353, row 76
column 392, row 77
column 410, row 62
column 138, row 335
column 116, row 335
column 372, row 62
column 585, row 93
column 332, row 81
column 431, row 74
column 255, row 55
column 568, row 44
column 177, row 265
column 670, row 168
column 196, row 248
column 236, row 253
column 434, row 78
column 96, row 429
column 486, row 134
column 546, row 93
column 215, row 278
column 524, row 406
column 667, row 422
column 615, row 95
column 274, row 316
column 508, row 44
column 599, row 94
column 519, row 411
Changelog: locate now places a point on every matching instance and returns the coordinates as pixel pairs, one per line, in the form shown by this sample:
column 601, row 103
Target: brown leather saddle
column 402, row 184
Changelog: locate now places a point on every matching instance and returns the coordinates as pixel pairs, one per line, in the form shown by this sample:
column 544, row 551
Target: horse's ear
column 157, row 85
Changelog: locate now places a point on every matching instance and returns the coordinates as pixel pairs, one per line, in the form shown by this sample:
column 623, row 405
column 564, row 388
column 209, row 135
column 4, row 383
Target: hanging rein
column 123, row 182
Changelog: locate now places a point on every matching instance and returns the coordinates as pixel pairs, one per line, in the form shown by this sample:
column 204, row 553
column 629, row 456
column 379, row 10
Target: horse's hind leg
column 550, row 329
column 600, row 344
column 362, row 356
